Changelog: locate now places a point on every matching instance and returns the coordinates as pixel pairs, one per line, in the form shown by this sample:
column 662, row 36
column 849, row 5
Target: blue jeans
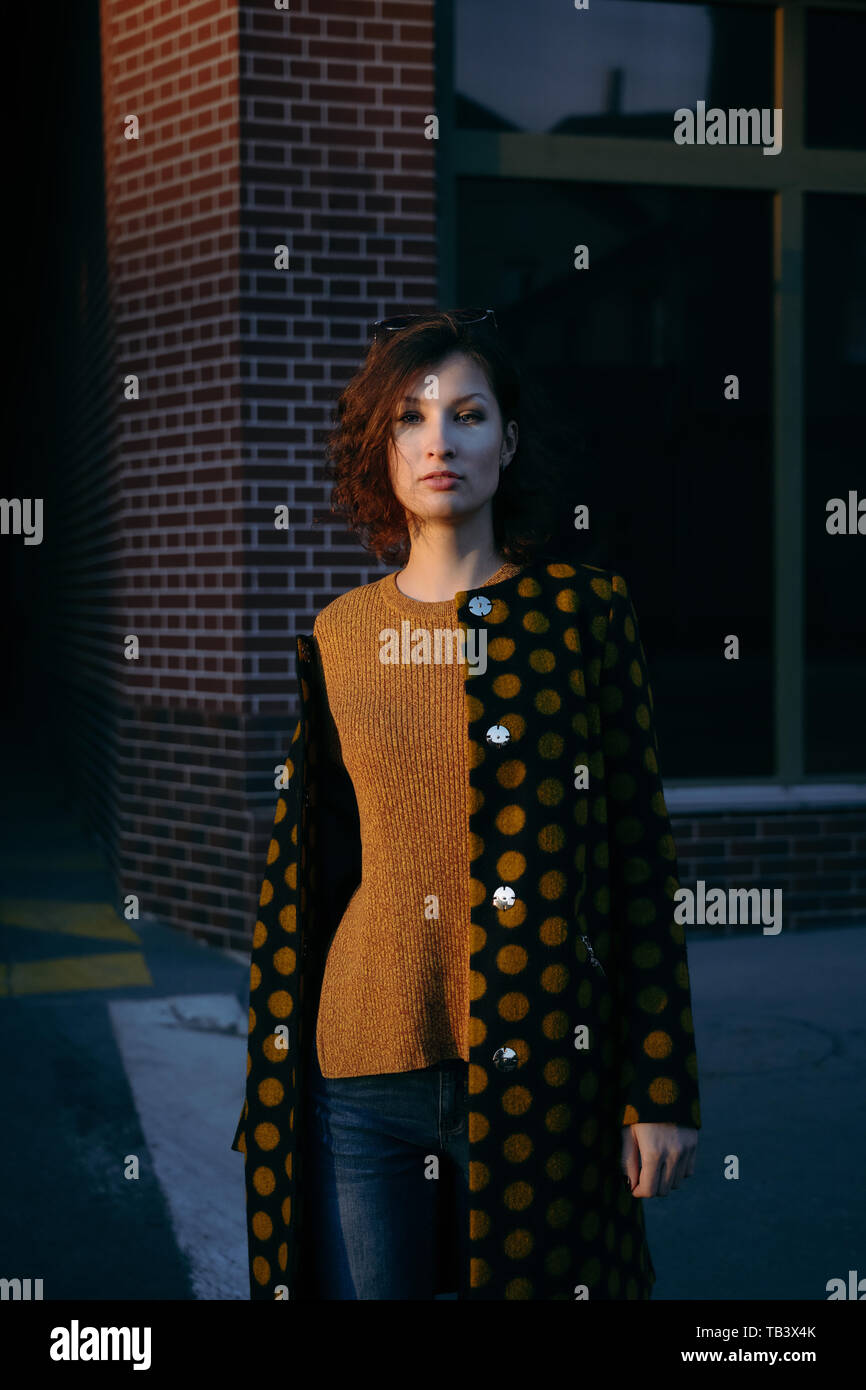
column 374, row 1192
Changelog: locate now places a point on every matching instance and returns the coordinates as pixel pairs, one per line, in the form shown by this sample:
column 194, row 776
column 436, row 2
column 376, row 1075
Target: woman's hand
column 667, row 1155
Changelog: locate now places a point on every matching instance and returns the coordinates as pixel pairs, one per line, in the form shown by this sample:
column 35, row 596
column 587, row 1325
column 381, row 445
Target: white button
column 498, row 734
column 504, row 897
column 480, row 605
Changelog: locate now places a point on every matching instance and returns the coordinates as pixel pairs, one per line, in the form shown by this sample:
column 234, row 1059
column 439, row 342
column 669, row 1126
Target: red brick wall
column 75, row 681
column 173, row 219
column 258, row 128
column 816, row 857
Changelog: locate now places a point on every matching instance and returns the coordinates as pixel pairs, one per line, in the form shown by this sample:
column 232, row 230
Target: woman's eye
column 472, row 414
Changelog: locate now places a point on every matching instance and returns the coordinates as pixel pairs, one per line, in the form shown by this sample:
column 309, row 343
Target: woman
column 481, row 1056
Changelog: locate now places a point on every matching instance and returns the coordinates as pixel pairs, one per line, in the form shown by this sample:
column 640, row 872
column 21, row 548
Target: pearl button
column 504, row 897
column 498, row 735
column 505, row 1058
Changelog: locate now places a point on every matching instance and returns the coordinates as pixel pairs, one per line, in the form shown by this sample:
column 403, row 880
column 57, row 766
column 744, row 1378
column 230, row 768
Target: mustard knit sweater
column 395, row 993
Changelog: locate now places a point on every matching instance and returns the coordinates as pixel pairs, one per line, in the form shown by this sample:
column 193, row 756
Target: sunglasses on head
column 382, row 327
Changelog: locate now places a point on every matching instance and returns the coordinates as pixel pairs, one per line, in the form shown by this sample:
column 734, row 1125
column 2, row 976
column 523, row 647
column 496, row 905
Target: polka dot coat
column 580, row 1018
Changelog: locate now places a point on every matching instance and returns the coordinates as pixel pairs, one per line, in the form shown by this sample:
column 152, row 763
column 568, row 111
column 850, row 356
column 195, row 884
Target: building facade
column 273, row 180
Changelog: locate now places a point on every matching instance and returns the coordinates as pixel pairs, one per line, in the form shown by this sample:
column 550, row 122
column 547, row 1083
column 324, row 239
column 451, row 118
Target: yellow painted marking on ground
column 116, row 970
column 98, row 920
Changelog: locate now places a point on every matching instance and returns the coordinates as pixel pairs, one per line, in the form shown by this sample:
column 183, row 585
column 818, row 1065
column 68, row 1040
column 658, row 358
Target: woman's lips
column 442, row 481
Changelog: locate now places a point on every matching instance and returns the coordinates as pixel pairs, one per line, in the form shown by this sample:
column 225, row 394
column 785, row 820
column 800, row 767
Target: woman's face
column 449, row 419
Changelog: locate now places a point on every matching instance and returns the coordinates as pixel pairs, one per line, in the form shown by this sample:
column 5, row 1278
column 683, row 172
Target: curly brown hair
column 525, row 503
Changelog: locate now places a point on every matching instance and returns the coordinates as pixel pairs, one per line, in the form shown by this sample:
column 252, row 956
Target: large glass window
column 835, row 398
column 699, row 269
column 633, row 354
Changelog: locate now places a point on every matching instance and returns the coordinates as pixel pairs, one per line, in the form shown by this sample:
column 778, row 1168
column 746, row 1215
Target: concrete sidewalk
column 781, row 1047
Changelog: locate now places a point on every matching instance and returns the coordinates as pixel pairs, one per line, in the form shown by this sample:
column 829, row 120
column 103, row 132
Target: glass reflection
column 618, row 68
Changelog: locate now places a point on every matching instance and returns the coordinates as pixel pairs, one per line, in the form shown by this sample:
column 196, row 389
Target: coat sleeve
column 284, row 827
column 659, row 1080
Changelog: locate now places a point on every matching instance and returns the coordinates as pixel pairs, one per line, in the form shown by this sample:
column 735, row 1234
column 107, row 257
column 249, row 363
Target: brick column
column 257, row 128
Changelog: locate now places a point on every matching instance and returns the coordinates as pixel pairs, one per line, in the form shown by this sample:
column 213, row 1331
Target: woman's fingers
column 630, row 1158
column 649, row 1178
column 681, row 1168
column 690, row 1167
column 667, row 1157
